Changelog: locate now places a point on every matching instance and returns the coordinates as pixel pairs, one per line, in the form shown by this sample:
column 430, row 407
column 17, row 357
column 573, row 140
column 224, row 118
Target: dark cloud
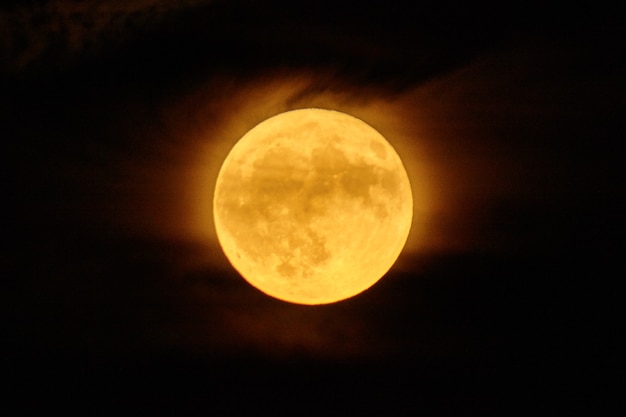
column 113, row 133
column 58, row 32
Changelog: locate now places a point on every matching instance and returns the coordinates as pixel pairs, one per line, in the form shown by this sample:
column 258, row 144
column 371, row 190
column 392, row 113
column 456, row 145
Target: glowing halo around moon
column 312, row 206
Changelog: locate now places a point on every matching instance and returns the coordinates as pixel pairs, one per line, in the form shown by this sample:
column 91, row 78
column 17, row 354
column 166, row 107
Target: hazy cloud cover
column 115, row 118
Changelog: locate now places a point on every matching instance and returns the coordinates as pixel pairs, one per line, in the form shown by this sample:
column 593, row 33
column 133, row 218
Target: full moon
column 312, row 206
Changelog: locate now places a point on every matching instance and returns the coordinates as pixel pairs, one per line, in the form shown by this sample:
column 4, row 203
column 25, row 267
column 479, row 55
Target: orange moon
column 312, row 206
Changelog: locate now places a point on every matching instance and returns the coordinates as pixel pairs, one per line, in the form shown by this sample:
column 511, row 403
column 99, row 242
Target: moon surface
column 312, row 206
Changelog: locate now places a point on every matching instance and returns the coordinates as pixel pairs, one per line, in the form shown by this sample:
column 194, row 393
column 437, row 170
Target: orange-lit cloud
column 209, row 121
column 451, row 132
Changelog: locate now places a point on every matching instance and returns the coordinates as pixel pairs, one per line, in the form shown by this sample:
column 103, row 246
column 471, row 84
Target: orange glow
column 258, row 100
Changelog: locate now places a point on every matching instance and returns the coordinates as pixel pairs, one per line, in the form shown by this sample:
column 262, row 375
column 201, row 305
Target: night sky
column 116, row 116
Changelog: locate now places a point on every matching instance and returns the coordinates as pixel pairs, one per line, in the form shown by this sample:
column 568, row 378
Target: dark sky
column 115, row 117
